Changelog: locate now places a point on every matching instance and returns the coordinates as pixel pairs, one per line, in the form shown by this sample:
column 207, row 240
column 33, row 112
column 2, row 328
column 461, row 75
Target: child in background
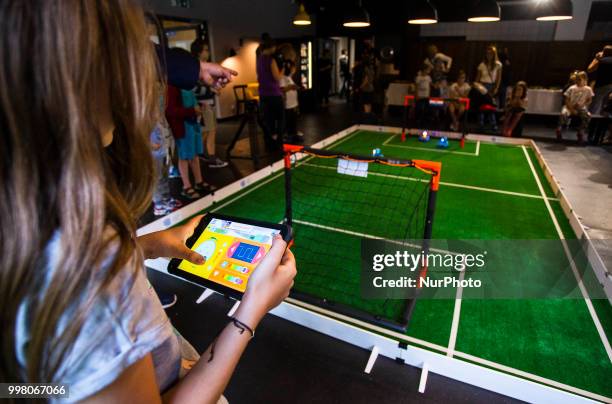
column 182, row 118
column 578, row 97
column 423, row 92
column 460, row 89
column 160, row 142
column 292, row 111
column 571, row 80
column 515, row 107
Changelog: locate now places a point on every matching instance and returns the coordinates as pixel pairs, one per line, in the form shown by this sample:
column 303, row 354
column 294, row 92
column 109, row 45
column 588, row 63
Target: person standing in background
column 269, row 74
column 423, row 92
column 290, row 91
column 325, row 77
column 366, row 87
column 601, row 68
column 440, row 64
column 506, row 76
column 489, row 75
column 182, row 113
column 345, row 74
column 460, row 89
column 206, row 99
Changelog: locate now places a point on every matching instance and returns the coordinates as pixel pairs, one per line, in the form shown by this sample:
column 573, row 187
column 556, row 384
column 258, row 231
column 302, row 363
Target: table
column 544, row 102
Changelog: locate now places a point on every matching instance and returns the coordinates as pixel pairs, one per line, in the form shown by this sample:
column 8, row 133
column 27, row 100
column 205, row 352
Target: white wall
column 493, row 31
column 231, row 20
column 575, row 29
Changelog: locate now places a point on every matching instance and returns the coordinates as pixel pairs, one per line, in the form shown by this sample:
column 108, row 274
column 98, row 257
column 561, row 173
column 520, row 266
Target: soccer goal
column 334, row 201
column 431, row 114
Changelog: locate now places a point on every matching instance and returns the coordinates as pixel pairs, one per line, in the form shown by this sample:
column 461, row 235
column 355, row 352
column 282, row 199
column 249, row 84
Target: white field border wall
column 409, row 350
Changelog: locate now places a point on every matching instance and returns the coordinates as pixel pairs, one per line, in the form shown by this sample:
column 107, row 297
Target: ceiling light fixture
column 302, row 17
column 485, row 11
column 422, row 12
column 357, row 17
column 554, row 10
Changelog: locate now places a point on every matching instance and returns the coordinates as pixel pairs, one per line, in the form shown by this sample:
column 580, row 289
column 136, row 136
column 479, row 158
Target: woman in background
column 489, row 74
column 269, row 74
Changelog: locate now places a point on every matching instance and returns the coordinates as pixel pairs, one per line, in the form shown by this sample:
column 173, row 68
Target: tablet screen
column 232, row 250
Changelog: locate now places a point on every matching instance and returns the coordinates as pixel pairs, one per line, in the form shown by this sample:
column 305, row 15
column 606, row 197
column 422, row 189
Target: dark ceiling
column 388, row 16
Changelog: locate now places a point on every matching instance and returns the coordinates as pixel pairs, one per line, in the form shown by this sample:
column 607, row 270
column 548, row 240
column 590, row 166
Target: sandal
column 204, row 187
column 190, row 193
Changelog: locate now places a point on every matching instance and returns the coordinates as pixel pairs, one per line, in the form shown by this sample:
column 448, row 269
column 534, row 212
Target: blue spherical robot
column 443, row 142
column 424, row 137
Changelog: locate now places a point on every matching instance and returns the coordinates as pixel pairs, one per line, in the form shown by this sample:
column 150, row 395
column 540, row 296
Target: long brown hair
column 61, row 63
column 520, row 84
column 492, row 63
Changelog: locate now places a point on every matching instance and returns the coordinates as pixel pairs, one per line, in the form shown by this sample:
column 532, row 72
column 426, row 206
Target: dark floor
column 288, row 363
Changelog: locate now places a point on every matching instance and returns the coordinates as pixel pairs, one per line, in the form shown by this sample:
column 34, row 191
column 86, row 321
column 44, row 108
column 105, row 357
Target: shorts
column 190, row 145
column 209, row 120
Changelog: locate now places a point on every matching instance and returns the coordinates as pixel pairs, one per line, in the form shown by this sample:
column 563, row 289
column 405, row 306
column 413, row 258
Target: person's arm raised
column 448, row 62
column 595, row 63
column 276, row 73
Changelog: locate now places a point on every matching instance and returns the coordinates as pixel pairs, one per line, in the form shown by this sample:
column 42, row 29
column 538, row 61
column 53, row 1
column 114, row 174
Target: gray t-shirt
column 126, row 323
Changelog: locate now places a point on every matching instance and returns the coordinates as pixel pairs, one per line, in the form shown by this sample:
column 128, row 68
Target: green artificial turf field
column 488, row 191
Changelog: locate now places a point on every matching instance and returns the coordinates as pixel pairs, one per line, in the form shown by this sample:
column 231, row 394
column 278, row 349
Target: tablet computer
column 232, row 248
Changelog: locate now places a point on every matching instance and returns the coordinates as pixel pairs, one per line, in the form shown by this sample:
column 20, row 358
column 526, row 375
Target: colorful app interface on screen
column 231, row 250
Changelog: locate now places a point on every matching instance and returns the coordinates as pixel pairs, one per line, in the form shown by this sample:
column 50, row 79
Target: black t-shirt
column 603, row 75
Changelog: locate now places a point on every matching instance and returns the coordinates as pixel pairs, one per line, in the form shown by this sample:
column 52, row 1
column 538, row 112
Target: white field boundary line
column 448, row 184
column 298, row 163
column 587, row 300
column 369, row 236
column 475, row 154
column 409, row 131
column 193, row 208
column 452, row 339
column 531, row 376
column 333, row 316
column 161, row 264
column 453, row 135
column 601, row 271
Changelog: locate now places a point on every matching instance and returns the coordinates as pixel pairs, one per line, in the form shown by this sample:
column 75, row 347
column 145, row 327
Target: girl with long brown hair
column 516, row 105
column 489, row 75
column 75, row 174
